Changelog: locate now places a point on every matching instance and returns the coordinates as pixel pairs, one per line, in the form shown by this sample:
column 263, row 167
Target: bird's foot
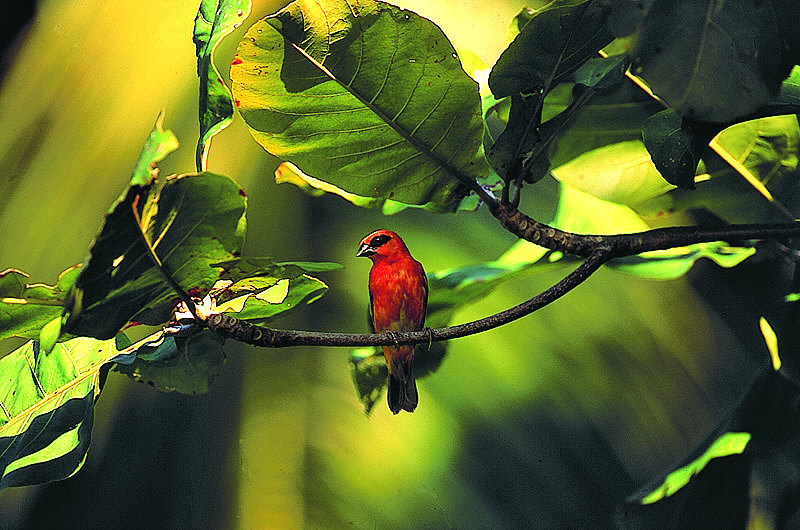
column 393, row 335
column 430, row 336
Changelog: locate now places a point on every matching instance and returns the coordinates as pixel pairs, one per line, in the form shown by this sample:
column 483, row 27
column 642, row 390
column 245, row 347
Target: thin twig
column 231, row 327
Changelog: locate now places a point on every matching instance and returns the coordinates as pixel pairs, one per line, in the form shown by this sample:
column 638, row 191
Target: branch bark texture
column 231, row 327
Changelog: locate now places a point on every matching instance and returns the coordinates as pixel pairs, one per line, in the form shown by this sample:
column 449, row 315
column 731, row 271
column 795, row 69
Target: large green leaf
column 47, row 408
column 189, row 223
column 756, row 181
column 713, row 60
column 214, row 20
column 367, row 97
column 622, row 173
column 552, row 44
column 26, row 307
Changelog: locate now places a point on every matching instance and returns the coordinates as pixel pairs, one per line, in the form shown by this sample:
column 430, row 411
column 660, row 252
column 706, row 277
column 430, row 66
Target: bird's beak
column 365, row 251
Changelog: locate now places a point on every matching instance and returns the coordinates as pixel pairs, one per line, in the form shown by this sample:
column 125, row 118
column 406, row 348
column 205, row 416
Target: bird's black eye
column 379, row 240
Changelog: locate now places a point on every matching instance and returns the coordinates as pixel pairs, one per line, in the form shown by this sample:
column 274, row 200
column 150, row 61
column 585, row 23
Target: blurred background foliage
column 547, row 422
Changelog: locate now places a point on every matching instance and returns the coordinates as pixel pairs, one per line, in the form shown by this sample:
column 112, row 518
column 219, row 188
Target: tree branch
column 620, row 245
column 231, row 327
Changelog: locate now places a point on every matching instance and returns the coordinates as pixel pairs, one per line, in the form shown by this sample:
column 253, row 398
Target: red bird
column 398, row 292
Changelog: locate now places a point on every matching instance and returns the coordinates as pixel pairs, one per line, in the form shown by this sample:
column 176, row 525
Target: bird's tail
column 402, row 391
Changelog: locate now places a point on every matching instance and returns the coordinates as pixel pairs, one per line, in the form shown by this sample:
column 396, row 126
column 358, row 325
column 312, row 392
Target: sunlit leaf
column 196, row 362
column 288, row 172
column 158, row 145
column 771, row 339
column 675, row 262
column 26, row 307
column 214, row 20
column 261, row 289
column 376, row 104
column 190, row 222
column 47, row 408
column 585, row 213
column 713, row 61
column 788, row 100
column 730, row 443
column 622, row 173
column 553, row 43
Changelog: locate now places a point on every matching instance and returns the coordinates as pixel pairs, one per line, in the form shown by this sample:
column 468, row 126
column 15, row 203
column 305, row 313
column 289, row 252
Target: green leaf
column 755, row 182
column 675, row 262
column 260, row 289
column 369, row 372
column 47, row 408
column 196, row 362
column 159, row 144
column 289, row 173
column 711, row 486
column 554, row 42
column 730, row 443
column 518, row 138
column 788, row 101
column 215, row 19
column 524, row 145
column 376, row 104
column 622, row 173
column 601, row 73
column 676, row 144
column 25, row 307
column 713, row 61
column 190, row 223
column 250, row 267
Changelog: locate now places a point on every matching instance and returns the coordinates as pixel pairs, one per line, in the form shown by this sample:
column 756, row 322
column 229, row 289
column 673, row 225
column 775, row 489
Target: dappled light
column 604, row 332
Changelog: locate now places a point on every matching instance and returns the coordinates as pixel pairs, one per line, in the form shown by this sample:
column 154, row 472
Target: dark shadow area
column 540, row 472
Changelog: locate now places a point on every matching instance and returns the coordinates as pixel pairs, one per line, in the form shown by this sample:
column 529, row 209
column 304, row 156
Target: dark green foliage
column 676, row 144
column 711, row 486
column 552, row 43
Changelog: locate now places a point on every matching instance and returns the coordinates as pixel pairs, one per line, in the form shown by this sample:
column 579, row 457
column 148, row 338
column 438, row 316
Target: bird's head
column 381, row 243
